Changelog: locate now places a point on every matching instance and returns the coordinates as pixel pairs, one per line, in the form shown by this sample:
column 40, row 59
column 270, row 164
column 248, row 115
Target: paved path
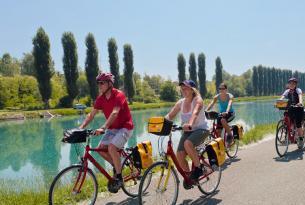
column 257, row 176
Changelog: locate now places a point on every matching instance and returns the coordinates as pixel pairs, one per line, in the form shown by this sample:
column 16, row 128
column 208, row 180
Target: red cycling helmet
column 293, row 80
column 105, row 77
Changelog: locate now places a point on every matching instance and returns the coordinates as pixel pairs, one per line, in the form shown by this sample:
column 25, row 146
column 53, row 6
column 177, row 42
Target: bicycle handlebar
column 176, row 128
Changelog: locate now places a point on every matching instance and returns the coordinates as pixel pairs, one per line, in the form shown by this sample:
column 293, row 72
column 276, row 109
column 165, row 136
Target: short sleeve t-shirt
column 292, row 95
column 298, row 91
column 117, row 99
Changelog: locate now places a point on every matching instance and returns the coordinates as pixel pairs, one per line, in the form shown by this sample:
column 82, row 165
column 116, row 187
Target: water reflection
column 33, row 148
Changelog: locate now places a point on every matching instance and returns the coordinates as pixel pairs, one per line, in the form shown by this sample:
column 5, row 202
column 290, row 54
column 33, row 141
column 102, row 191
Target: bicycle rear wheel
column 132, row 177
column 159, row 185
column 209, row 181
column 73, row 186
column 281, row 140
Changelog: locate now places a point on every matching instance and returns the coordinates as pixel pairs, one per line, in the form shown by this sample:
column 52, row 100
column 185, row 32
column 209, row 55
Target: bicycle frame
column 88, row 157
column 288, row 123
column 174, row 162
column 215, row 134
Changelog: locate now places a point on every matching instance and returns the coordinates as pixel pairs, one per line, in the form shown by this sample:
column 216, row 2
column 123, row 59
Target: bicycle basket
column 281, row 104
column 211, row 115
column 159, row 126
column 75, row 135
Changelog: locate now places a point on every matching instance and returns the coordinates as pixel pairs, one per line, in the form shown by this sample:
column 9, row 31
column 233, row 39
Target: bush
column 65, row 102
column 168, row 92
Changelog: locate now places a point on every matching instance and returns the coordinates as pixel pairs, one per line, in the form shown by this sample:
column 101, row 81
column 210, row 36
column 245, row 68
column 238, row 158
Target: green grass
column 5, row 114
column 258, row 132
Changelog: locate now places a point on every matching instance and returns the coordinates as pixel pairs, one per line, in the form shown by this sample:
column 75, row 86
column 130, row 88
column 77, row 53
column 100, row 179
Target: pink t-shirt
column 117, row 99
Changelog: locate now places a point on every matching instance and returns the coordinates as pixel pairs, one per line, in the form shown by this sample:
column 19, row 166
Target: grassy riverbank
column 258, row 132
column 20, row 114
column 9, row 114
column 9, row 195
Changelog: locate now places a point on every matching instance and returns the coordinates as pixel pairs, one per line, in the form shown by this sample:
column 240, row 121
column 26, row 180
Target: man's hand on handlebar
column 99, row 131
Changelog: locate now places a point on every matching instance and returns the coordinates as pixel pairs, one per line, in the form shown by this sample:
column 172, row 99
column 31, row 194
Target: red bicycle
column 285, row 133
column 232, row 148
column 78, row 183
column 163, row 186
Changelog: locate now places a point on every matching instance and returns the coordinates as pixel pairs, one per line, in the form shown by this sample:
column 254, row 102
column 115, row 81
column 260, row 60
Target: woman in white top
column 194, row 124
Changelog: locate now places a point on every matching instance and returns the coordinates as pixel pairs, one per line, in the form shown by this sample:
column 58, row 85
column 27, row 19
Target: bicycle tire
column 131, row 177
column 279, row 123
column 59, row 188
column 281, row 142
column 231, row 150
column 161, row 174
column 211, row 176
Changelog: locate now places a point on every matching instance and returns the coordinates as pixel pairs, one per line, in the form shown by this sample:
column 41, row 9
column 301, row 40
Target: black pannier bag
column 75, row 135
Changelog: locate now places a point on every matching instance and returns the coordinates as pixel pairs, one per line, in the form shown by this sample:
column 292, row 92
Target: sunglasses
column 102, row 82
column 221, row 88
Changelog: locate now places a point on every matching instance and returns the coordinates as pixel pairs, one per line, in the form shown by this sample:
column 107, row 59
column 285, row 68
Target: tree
column 27, row 64
column 128, row 72
column 43, row 65
column 181, row 67
column 70, row 59
column 9, row 66
column 114, row 61
column 192, row 68
column 168, row 92
column 218, row 72
column 91, row 65
column 202, row 75
column 255, row 81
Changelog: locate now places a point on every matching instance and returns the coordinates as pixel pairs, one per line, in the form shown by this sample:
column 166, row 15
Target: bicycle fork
column 170, row 164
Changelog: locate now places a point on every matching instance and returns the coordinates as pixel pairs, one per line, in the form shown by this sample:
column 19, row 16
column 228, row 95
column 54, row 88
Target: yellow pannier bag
column 142, row 155
column 216, row 152
column 238, row 131
column 159, row 126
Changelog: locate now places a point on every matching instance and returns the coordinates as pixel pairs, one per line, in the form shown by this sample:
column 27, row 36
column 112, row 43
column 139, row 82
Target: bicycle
column 164, row 185
column 232, row 148
column 78, row 183
column 285, row 132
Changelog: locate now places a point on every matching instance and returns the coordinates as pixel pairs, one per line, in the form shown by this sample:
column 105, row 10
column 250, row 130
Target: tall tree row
column 202, row 75
column 70, row 62
column 272, row 81
column 91, row 65
column 43, row 65
column 181, row 67
column 114, row 61
column 128, row 72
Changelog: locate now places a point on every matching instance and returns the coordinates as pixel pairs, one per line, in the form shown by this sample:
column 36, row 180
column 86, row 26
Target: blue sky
column 243, row 33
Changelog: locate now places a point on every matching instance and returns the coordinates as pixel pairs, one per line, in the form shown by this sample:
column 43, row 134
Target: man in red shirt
column 118, row 126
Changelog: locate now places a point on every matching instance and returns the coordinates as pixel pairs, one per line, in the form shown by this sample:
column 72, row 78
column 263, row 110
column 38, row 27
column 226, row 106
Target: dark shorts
column 229, row 117
column 297, row 114
column 197, row 137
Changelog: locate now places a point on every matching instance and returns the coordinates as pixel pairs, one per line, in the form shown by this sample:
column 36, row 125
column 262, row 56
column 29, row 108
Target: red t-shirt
column 117, row 99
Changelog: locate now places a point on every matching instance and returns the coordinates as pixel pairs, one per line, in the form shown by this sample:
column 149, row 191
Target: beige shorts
column 117, row 137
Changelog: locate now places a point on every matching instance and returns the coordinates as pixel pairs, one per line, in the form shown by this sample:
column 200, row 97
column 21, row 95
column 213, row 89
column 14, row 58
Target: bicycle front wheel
column 159, row 185
column 231, row 149
column 281, row 140
column 74, row 186
column 209, row 181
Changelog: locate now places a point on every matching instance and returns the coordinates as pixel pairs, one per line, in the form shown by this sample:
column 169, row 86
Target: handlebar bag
column 159, row 126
